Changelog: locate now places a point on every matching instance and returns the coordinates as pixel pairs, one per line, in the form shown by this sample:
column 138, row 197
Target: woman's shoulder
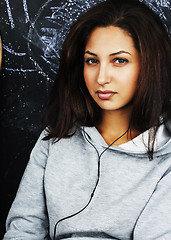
column 46, row 144
column 40, row 151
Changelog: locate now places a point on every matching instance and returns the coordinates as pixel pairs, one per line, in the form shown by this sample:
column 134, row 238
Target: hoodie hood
column 138, row 145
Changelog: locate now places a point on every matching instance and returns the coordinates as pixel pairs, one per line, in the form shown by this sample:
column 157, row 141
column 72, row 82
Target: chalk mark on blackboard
column 39, row 41
column 40, row 44
column 158, row 8
column 10, row 14
column 160, row 3
column 19, row 70
column 26, row 10
column 52, row 65
column 12, row 51
column 163, row 3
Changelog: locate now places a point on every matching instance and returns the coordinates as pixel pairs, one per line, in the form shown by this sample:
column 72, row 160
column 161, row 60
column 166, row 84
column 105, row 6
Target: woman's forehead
column 112, row 39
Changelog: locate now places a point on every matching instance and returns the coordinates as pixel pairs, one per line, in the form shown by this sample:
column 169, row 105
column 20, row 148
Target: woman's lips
column 105, row 95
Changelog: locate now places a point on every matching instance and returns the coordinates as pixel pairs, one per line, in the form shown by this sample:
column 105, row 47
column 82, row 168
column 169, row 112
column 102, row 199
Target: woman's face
column 111, row 67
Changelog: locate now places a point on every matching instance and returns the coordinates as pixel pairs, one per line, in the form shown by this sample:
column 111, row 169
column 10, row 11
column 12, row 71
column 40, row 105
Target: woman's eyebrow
column 120, row 52
column 112, row 54
column 90, row 53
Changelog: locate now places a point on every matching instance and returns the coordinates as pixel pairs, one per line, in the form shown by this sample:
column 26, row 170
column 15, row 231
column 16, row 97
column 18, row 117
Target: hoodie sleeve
column 155, row 221
column 27, row 218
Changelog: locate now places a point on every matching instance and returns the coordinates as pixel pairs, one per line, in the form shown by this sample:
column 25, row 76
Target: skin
column 111, row 70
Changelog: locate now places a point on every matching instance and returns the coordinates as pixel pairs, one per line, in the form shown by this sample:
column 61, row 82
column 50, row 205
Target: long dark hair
column 70, row 100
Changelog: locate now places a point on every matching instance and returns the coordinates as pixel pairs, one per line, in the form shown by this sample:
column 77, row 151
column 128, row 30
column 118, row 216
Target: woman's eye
column 91, row 61
column 120, row 60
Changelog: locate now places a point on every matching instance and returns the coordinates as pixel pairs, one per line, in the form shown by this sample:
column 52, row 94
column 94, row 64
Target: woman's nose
column 103, row 75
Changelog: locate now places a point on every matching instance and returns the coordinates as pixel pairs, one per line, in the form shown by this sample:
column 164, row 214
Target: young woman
column 102, row 166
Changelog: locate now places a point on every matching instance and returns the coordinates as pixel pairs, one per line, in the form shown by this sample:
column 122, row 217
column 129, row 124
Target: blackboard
column 32, row 34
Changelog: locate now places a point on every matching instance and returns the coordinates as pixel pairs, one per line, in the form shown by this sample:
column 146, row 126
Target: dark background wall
column 32, row 34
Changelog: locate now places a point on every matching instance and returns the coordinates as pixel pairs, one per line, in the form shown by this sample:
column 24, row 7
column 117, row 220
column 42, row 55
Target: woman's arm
column 28, row 217
column 155, row 221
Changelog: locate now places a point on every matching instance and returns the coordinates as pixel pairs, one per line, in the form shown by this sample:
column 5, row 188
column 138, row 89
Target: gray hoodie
column 71, row 189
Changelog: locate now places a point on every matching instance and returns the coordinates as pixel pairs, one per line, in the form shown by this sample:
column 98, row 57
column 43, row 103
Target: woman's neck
column 114, row 124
